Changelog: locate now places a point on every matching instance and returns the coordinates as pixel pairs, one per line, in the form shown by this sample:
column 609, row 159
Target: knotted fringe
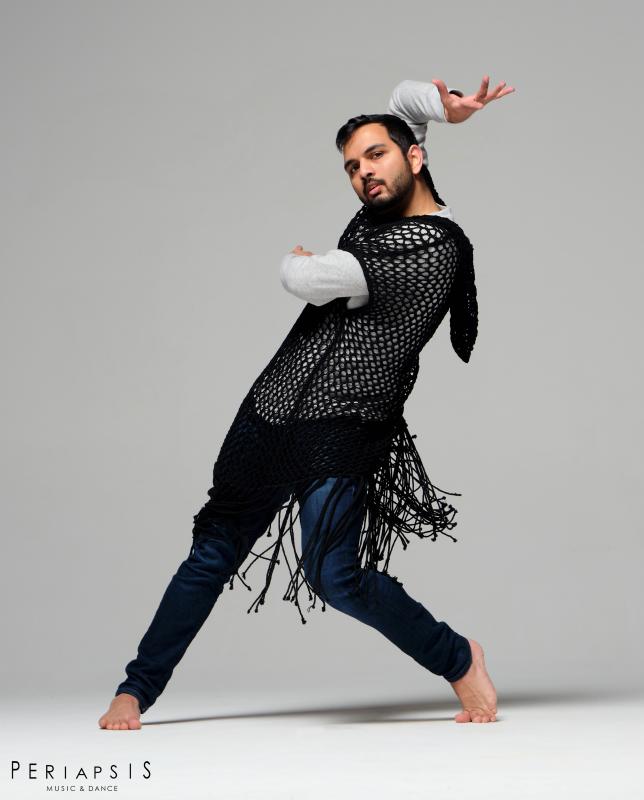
column 395, row 500
column 402, row 499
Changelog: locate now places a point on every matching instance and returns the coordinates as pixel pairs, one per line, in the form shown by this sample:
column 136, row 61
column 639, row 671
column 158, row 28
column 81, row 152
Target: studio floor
column 543, row 745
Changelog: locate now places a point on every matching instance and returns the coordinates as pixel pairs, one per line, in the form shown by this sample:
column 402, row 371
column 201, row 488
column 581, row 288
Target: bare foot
column 122, row 715
column 475, row 690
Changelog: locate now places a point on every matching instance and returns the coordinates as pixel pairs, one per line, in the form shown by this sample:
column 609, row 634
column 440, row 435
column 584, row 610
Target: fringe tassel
column 395, row 508
column 395, row 500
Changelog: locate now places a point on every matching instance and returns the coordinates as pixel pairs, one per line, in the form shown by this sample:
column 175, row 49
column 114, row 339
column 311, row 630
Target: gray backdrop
column 158, row 159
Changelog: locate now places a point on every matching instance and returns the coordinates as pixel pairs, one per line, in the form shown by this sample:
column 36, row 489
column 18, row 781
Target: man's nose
column 366, row 171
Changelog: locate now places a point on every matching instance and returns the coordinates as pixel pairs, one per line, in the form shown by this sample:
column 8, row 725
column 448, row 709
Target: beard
column 398, row 193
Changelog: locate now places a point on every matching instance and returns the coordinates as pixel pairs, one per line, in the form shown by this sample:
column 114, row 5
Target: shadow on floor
column 437, row 710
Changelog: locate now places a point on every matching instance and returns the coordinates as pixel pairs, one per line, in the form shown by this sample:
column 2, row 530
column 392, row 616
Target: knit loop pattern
column 330, row 403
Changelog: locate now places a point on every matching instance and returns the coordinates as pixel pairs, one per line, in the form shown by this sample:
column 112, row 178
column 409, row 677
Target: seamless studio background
column 158, row 159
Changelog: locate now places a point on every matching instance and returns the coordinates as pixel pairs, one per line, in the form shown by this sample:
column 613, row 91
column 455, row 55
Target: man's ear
column 415, row 158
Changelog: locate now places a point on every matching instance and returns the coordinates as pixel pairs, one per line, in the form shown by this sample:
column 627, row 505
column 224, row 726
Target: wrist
column 458, row 93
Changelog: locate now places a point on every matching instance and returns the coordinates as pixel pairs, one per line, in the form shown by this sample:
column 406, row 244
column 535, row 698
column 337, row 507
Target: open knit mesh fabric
column 331, row 400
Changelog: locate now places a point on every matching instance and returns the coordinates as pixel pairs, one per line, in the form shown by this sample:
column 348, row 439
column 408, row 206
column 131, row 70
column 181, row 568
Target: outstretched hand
column 300, row 252
column 458, row 109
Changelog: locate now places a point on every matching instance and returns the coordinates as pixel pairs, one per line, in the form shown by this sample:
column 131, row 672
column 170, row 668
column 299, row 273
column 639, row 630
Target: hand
column 458, row 109
column 300, row 252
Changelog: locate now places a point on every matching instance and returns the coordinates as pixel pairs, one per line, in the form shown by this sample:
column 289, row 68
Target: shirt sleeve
column 418, row 103
column 318, row 279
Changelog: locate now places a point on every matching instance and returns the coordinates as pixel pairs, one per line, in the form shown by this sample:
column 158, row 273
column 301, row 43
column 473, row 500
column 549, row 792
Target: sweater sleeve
column 318, row 279
column 412, row 269
column 418, row 103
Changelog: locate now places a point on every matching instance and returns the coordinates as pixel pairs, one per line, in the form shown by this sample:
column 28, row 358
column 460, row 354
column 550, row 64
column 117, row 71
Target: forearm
column 318, row 279
column 417, row 103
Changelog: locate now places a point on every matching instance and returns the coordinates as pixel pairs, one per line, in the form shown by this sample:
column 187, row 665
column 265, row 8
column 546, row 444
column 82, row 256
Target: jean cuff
column 458, row 672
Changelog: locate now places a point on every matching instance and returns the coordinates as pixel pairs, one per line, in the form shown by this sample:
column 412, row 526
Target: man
column 322, row 426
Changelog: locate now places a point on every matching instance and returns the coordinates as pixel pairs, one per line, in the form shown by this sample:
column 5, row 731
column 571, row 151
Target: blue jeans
column 380, row 601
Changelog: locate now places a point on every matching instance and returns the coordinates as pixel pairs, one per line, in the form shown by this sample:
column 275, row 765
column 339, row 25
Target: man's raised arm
column 418, row 103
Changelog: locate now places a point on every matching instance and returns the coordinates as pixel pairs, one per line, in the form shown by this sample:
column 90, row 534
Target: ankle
column 128, row 697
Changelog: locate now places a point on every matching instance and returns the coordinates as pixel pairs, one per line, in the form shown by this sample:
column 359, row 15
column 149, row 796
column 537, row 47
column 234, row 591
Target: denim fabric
column 372, row 597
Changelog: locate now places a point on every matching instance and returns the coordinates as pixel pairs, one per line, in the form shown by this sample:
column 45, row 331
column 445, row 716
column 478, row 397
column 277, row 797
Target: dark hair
column 399, row 132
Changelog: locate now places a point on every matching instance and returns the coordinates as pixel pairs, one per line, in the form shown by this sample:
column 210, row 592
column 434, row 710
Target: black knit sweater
column 330, row 402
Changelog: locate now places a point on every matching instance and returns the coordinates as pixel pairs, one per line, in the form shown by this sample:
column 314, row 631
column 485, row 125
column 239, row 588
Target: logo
column 80, row 777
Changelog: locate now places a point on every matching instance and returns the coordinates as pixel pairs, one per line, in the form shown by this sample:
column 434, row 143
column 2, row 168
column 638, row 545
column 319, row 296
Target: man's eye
column 375, row 153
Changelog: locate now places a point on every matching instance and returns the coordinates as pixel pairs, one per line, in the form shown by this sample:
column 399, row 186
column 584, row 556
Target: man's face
column 379, row 173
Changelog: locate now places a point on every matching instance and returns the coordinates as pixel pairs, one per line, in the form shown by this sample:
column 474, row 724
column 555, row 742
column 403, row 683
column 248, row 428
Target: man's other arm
column 318, row 279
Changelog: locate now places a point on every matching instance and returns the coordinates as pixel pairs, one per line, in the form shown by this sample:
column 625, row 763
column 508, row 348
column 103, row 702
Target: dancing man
column 322, row 428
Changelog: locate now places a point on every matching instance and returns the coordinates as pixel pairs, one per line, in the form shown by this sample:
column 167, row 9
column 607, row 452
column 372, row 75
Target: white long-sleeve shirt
column 320, row 278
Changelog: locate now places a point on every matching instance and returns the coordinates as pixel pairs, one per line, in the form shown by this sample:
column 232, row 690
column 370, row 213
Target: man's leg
column 380, row 601
column 184, row 607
